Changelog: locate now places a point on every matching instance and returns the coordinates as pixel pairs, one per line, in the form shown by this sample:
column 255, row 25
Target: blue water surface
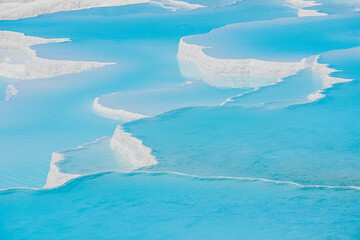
column 163, row 206
column 269, row 165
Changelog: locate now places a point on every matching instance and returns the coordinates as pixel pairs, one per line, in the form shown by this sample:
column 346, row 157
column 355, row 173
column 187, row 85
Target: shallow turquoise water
column 257, row 136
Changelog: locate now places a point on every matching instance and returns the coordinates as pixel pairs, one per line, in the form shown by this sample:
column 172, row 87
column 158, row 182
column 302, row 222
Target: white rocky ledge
column 248, row 73
column 115, row 114
column 240, row 73
column 19, row 61
column 17, row 9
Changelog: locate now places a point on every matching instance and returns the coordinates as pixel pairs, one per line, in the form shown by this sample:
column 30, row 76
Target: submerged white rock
column 11, row 90
column 17, row 9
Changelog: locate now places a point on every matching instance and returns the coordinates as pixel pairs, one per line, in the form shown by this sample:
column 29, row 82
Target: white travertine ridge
column 115, row 114
column 132, row 149
column 328, row 81
column 251, row 73
column 324, row 71
column 22, row 63
column 17, row 9
column 302, row 4
column 236, row 73
column 11, row 90
column 122, row 143
column 55, row 177
column 316, row 96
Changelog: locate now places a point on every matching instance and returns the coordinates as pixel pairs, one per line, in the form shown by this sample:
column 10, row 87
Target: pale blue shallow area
column 91, row 158
column 292, row 90
column 156, row 101
column 288, row 40
column 336, row 6
column 165, row 206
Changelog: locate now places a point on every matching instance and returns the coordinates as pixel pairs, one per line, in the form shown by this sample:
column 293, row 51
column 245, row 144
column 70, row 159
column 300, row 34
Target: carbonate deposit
column 169, row 119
